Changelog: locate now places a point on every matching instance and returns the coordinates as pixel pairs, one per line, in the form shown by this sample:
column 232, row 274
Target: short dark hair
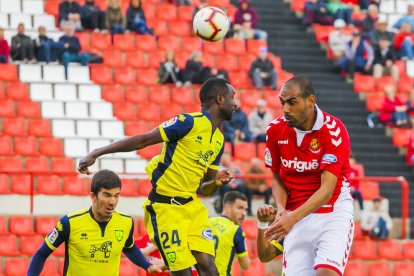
column 232, row 196
column 306, row 86
column 211, row 88
column 105, row 179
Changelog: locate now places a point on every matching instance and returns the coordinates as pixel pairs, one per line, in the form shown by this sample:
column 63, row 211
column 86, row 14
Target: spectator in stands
column 195, row 71
column 394, row 111
column 403, row 41
column 72, row 47
column 262, row 71
column 259, row 120
column 353, row 182
column 359, row 56
column 410, row 145
column 115, row 20
column 70, row 10
column 218, row 73
column 256, row 186
column 135, row 17
column 339, row 10
column 338, row 40
column 92, row 17
column 45, row 48
column 315, row 12
column 376, row 221
column 410, row 104
column 4, row 48
column 368, row 23
column 237, row 129
column 169, row 71
column 245, row 22
column 384, row 59
column 22, row 46
column 381, row 32
column 409, row 18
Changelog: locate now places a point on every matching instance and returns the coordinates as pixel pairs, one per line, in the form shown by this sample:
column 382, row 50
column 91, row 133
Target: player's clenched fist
column 266, row 213
column 223, row 177
column 86, row 162
column 156, row 268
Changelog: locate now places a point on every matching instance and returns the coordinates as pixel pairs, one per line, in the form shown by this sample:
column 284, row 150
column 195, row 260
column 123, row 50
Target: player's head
column 235, row 206
column 105, row 189
column 217, row 95
column 298, row 99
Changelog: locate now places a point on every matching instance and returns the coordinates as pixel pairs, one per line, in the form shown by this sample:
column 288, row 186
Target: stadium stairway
column 302, row 55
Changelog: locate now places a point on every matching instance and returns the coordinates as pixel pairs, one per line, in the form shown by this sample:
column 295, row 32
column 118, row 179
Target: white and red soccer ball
column 211, row 24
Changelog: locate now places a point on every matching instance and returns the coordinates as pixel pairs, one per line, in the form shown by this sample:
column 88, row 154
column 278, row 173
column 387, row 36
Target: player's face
column 229, row 104
column 238, row 211
column 296, row 109
column 104, row 203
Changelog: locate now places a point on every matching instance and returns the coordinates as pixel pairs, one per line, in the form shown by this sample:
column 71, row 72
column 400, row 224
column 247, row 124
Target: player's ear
column 93, row 197
column 311, row 100
column 220, row 99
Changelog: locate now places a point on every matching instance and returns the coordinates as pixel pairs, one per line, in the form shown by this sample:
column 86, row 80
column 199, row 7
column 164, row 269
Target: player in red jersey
column 308, row 153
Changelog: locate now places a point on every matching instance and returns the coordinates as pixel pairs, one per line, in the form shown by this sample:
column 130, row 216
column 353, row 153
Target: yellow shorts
column 177, row 230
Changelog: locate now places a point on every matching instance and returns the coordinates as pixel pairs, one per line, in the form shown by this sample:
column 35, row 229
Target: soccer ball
column 211, row 24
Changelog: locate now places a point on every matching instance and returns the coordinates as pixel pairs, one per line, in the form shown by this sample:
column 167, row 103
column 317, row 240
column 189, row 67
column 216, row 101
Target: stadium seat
column 146, row 43
column 150, row 151
column 135, row 59
column 235, row 46
column 147, row 77
column 180, row 28
column 249, row 98
column 3, row 223
column 255, row 268
column 390, row 250
column 133, row 128
column 384, row 81
column 374, row 102
column 6, row 145
column 219, row 3
column 73, row 185
column 100, row 41
column 44, row 225
column 230, row 63
column 379, row 268
column 30, row 244
column 249, row 227
column 8, row 72
column 214, row 48
column 369, row 189
column 149, row 113
column 125, row 76
column 39, row 128
column 357, row 231
column 14, row 127
column 4, row 189
column 113, row 93
column 50, row 268
column 159, row 94
column 245, row 62
column 170, row 110
column 155, row 58
column 52, row 7
column 125, row 111
column 21, row 226
column 63, row 165
column 8, row 246
column 113, row 58
column 168, row 43
column 136, row 94
column 183, row 96
column 54, row 73
column 405, row 84
column 129, row 187
column 101, row 75
column 26, row 146
column 403, row 269
column 20, row 184
column 127, row 268
column 236, row 269
column 321, row 31
column 159, row 26
column 11, row 164
column 408, row 250
column 365, row 249
column 144, row 188
column 244, row 151
column 240, row 79
column 124, row 42
column 141, row 225
column 37, row 164
column 190, row 44
column 186, row 13
column 166, row 12
column 363, row 83
column 401, row 136
column 84, row 39
column 50, row 147
column 59, row 252
column 16, row 266
column 254, row 45
column 251, row 248
column 17, row 91
column 355, row 269
column 28, row 109
column 7, row 108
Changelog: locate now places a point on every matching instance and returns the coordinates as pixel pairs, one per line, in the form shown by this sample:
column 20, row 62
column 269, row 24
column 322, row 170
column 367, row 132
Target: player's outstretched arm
column 38, row 260
column 135, row 256
column 132, row 143
column 265, row 250
column 213, row 180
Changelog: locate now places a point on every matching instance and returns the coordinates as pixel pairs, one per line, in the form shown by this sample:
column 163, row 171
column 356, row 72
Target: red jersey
column 144, row 242
column 299, row 157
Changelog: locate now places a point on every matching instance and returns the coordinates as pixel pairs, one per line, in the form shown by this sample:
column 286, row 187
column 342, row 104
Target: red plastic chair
column 125, row 111
column 113, row 59
column 7, row 109
column 365, row 249
column 8, row 72
column 17, row 91
column 14, row 127
column 147, row 77
column 136, row 59
column 355, row 268
column 403, row 269
column 50, row 268
column 169, row 111
column 227, row 62
column 26, row 146
column 84, row 40
column 144, row 188
column 358, row 231
column 166, row 12
column 183, row 96
column 37, row 164
column 21, row 226
column 390, row 250
column 125, row 76
column 39, row 128
column 186, row 13
column 180, row 28
column 254, row 45
column 150, row 151
column 113, row 93
column 364, row 83
column 408, row 250
column 101, row 75
column 383, row 82
column 159, row 26
column 369, row 189
column 235, row 46
column 20, row 184
column 63, row 165
column 11, row 164
column 129, row 187
column 245, row 62
column 214, row 48
column 321, row 31
column 149, row 112
column 379, row 268
column 50, row 147
column 44, row 225
column 250, row 97
column 136, row 94
column 8, row 246
column 17, row 266
column 256, row 268
column 6, row 145
column 159, row 94
column 100, row 41
column 133, row 128
column 240, row 79
column 374, row 102
column 124, row 42
column 30, row 244
column 168, row 43
column 73, row 185
column 249, row 227
column 28, row 109
column 405, row 84
column 190, row 44
column 4, row 189
column 49, row 185
column 3, row 223
column 127, row 268
column 155, row 58
column 52, row 7
column 401, row 136
column 146, row 43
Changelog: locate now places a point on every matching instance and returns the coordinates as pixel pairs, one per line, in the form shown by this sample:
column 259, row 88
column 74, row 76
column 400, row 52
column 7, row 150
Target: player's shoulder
column 332, row 122
column 276, row 125
column 122, row 215
column 334, row 130
column 78, row 214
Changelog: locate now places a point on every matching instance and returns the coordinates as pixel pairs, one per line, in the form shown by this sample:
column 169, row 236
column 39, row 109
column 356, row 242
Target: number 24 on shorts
column 165, row 238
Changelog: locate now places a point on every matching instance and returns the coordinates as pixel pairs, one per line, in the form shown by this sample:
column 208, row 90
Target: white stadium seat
column 100, row 110
column 87, row 129
column 387, row 6
column 10, row 6
column 54, row 73
column 33, row 6
column 116, row 165
column 410, row 68
column 52, row 109
column 30, row 73
column 4, row 20
column 112, row 129
column 392, row 19
column 65, row 92
column 90, row 93
column 17, row 18
column 135, row 165
column 41, row 91
column 401, row 7
column 63, row 128
column 55, row 35
column 45, row 20
column 78, row 110
column 94, row 168
column 78, row 74
column 75, row 147
column 97, row 143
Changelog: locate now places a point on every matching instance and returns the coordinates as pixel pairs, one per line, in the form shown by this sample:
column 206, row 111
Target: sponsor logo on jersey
column 329, row 158
column 104, row 248
column 170, row 122
column 207, row 234
column 300, row 166
column 84, row 236
column 268, row 157
column 53, row 235
column 283, row 142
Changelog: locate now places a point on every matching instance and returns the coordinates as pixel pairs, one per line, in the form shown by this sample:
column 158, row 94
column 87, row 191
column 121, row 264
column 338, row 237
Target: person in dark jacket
column 380, row 31
column 72, row 47
column 135, row 17
column 92, row 17
column 4, row 48
column 245, row 22
column 114, row 18
column 262, row 71
column 195, row 71
column 237, row 129
column 45, row 48
column 384, row 58
column 70, row 10
column 368, row 24
column 22, row 46
column 315, row 12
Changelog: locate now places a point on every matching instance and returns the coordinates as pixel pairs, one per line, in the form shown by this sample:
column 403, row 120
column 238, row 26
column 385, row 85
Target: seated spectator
column 380, row 31
column 394, row 111
column 72, row 47
column 70, row 10
column 354, row 183
column 135, row 17
column 256, row 186
column 92, row 17
column 245, row 22
column 376, row 221
column 408, row 18
column 384, row 59
column 339, row 10
column 338, row 40
column 115, row 20
column 259, row 120
column 262, row 72
column 45, row 48
column 364, row 4
column 410, row 104
column 169, row 71
column 22, row 46
column 4, row 48
column 359, row 56
column 195, row 72
column 403, row 41
column 315, row 12
column 368, row 23
column 237, row 129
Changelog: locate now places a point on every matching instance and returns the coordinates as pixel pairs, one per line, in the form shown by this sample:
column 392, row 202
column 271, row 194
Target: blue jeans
column 260, row 34
column 49, row 51
column 345, row 14
column 380, row 230
column 3, row 59
column 117, row 29
column 140, row 26
column 398, row 116
column 259, row 82
column 407, row 48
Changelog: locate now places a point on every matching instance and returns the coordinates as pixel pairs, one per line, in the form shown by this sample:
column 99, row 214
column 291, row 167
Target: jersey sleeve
column 272, row 156
column 176, row 128
column 240, row 243
column 336, row 148
column 129, row 243
column 59, row 234
column 215, row 164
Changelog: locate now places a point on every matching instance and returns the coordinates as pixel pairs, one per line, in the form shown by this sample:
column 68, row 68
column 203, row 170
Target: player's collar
column 205, row 113
column 319, row 119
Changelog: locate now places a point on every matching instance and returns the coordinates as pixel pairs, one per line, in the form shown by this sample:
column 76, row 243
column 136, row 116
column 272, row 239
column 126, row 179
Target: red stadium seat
column 150, row 151
column 11, row 164
column 37, row 164
column 375, row 102
column 155, row 58
column 26, row 146
column 181, row 58
column 141, row 224
column 379, row 268
column 144, row 188
column 249, row 227
column 30, row 244
column 321, row 31
column 100, row 41
column 84, row 40
column 166, row 12
column 405, row 84
column 8, row 246
column 355, row 268
column 50, row 268
column 219, row 3
column 59, row 252
column 39, row 128
column 136, row 94
column 169, row 111
column 250, row 98
column 125, row 111
column 146, row 43
column 21, row 226
column 390, row 250
column 256, row 268
column 3, row 224
column 365, row 249
column 124, row 42
column 44, row 225
column 401, row 136
column 254, row 45
column 49, row 185
column 277, row 62
column 52, row 7
column 209, row 60
column 236, row 268
column 363, row 83
column 271, row 99
column 20, row 184
column 101, row 75
column 28, row 109
column 183, row 96
column 240, row 79
column 6, row 145
column 235, row 46
column 190, row 44
column 73, row 185
column 125, row 76
column 8, row 72
column 358, row 231
column 369, row 189
column 383, row 82
column 180, row 28
column 129, row 187
column 7, row 108
column 147, row 77
column 214, row 48
column 4, row 189
column 149, row 112
column 14, row 127
column 229, row 64
column 17, row 91
column 245, row 62
column 127, row 268
column 408, row 250
column 113, row 93
column 403, row 269
column 168, row 43
column 159, row 26
column 186, row 13
column 17, row 266
column 133, row 128
column 2, row 93
column 50, row 147
column 159, row 94
column 149, row 8
column 113, row 58
column 136, row 59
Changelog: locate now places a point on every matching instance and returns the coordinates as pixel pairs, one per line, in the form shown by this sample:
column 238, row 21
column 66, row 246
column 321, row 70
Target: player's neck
column 214, row 117
column 308, row 125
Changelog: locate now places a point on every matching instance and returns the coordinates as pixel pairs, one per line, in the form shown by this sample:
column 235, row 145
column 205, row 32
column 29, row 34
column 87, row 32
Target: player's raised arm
column 213, row 180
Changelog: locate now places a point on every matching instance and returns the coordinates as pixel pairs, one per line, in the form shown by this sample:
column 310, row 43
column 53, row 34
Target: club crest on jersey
column 53, row 235
column 119, row 235
column 314, row 146
column 170, row 122
column 329, row 158
column 171, row 256
column 268, row 157
column 207, row 234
